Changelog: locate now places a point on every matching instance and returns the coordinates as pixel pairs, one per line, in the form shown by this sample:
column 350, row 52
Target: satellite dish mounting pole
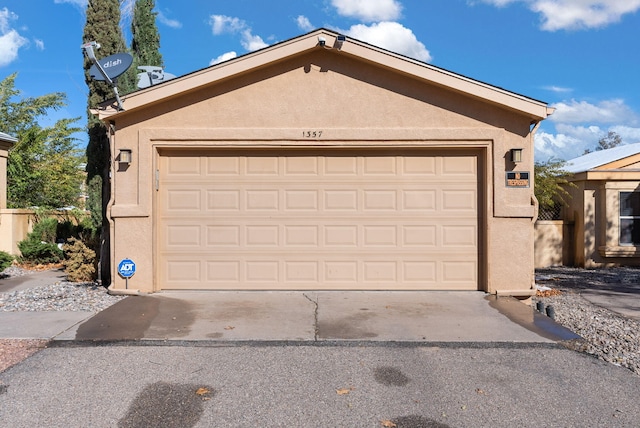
column 88, row 48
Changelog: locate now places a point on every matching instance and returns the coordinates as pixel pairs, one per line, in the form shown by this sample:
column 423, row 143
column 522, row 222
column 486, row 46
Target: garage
column 334, row 166
column 374, row 219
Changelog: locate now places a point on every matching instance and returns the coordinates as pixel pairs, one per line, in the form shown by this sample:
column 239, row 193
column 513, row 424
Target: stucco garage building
column 343, row 166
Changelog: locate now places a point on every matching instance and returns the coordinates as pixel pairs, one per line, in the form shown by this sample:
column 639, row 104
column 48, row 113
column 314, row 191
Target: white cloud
column 576, row 14
column 171, row 23
column 224, row 57
column 391, row 36
column 10, row 40
column 369, row 10
column 628, row 134
column 557, row 89
column 560, row 146
column 5, row 17
column 39, row 44
column 303, row 23
column 80, row 3
column 571, row 141
column 221, row 24
column 252, row 42
column 579, row 125
column 126, row 10
column 226, row 24
column 607, row 111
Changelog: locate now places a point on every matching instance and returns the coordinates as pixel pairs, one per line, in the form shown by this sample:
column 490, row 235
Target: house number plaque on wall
column 517, row 179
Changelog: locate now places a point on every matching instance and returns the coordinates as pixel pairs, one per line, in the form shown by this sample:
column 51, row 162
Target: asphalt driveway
column 354, row 385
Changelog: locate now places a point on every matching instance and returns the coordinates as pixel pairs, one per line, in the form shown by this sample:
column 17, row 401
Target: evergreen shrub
column 5, row 260
column 39, row 247
column 79, row 262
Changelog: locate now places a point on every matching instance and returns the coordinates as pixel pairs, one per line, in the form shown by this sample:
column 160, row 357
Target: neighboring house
column 324, row 165
column 605, row 207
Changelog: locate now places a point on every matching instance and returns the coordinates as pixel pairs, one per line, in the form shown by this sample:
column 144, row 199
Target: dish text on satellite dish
column 114, row 65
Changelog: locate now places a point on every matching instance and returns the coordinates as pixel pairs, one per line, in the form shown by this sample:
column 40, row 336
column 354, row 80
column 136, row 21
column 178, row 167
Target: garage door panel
column 340, row 165
column 223, row 200
column 183, row 236
column 277, row 237
column 262, row 200
column 418, row 165
column 312, row 221
column 419, row 199
column 177, row 270
column 181, row 199
column 265, row 271
column 458, row 165
column 223, row 235
column 340, row 200
column 379, row 165
column 223, row 272
column 184, row 166
column 226, row 166
column 262, row 165
column 459, row 201
column 336, row 273
column 305, row 166
column 459, row 236
column 305, row 200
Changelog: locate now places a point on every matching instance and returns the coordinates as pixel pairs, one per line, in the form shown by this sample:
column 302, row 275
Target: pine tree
column 102, row 26
column 145, row 43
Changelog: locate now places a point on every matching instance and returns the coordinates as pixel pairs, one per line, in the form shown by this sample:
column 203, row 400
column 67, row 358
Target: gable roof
column 605, row 159
column 536, row 110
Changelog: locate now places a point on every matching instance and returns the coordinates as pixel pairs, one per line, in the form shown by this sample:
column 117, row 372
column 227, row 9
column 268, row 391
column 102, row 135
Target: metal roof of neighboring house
column 7, row 137
column 601, row 157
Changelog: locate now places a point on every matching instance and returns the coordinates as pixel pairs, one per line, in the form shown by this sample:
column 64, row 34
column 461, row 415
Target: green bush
column 45, row 230
column 5, row 260
column 39, row 252
column 39, row 247
column 79, row 263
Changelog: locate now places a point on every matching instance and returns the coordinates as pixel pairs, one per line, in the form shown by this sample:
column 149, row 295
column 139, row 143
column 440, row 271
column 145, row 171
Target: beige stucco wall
column 354, row 104
column 15, row 224
column 553, row 243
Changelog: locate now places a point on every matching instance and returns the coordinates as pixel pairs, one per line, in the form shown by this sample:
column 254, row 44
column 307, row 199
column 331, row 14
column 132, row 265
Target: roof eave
column 535, row 110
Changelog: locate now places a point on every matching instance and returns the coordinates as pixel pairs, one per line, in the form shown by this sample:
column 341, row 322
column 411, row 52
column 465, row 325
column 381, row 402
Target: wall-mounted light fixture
column 125, row 156
column 516, row 155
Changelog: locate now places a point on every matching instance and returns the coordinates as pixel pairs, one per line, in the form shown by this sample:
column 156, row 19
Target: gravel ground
column 607, row 335
column 62, row 296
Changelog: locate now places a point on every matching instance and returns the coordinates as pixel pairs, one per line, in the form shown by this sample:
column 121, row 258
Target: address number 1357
column 311, row 134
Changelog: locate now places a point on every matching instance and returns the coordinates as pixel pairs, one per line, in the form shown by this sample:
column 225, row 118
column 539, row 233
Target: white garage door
column 298, row 219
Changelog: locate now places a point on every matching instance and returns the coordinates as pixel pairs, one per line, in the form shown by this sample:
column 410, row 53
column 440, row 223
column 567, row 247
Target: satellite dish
column 113, row 65
column 152, row 75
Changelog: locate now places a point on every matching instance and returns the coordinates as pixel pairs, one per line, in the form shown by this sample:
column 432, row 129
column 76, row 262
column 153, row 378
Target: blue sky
column 580, row 56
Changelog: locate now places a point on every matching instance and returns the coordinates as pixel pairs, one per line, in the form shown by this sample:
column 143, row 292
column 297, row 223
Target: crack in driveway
column 315, row 315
